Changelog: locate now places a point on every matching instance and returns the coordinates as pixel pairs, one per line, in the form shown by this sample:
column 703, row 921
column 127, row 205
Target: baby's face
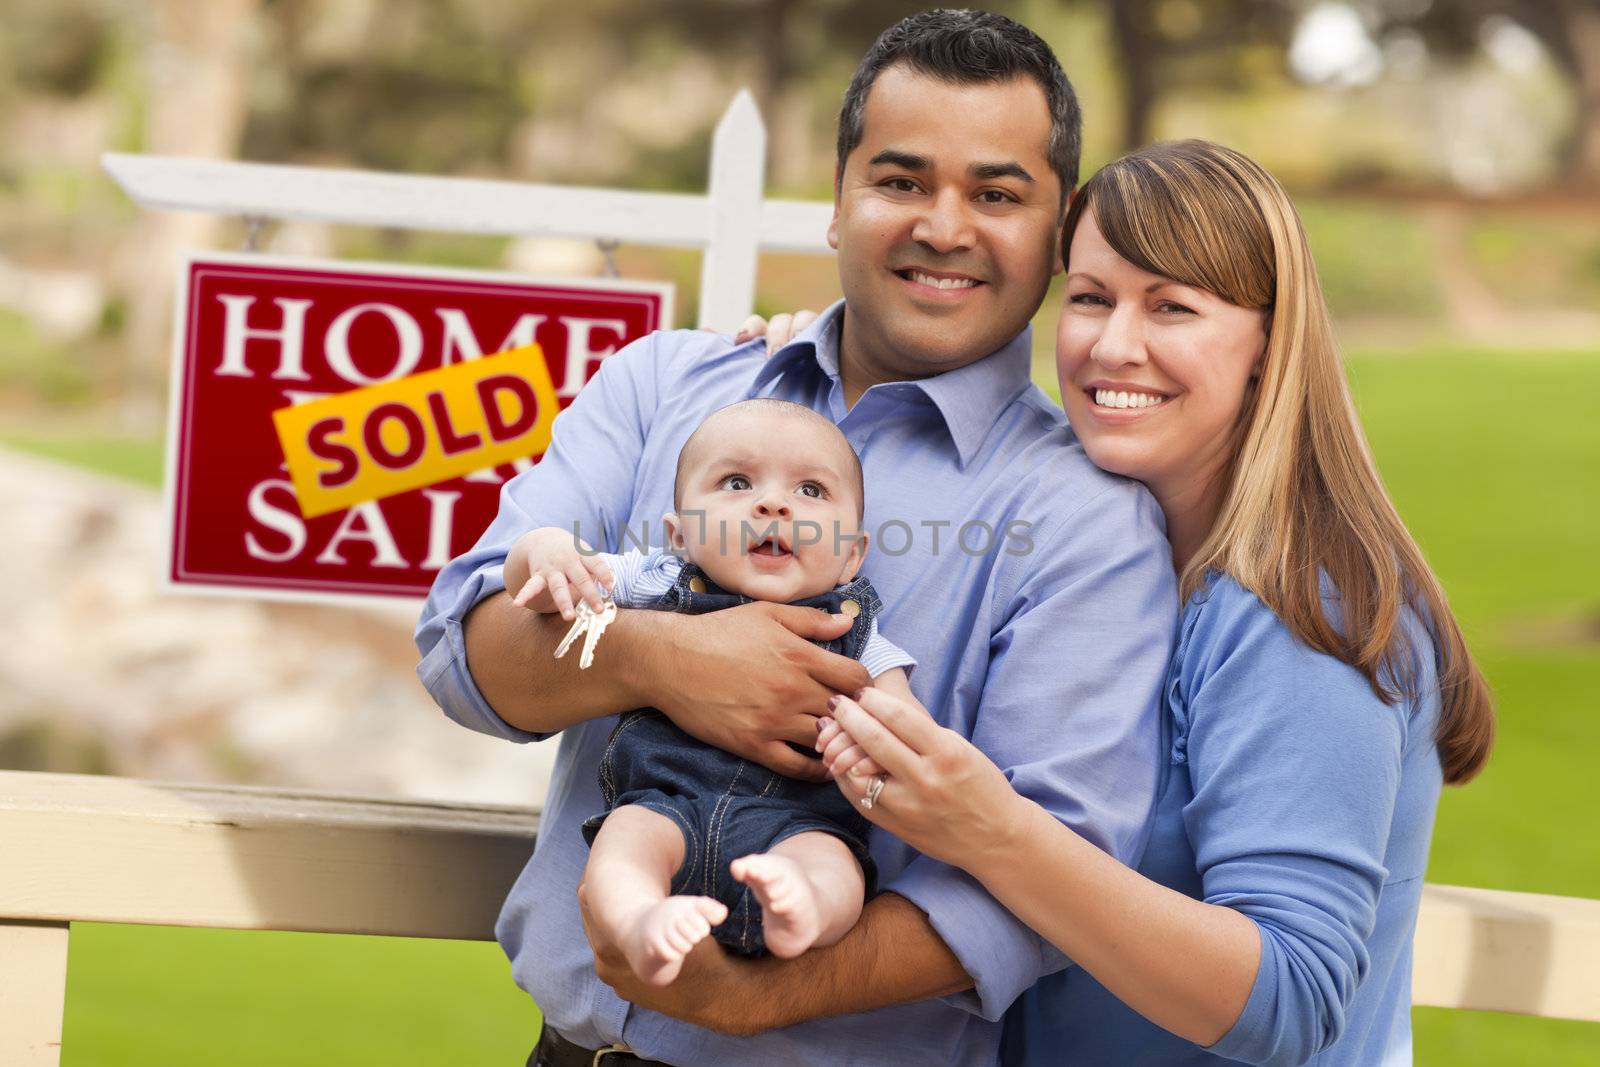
column 770, row 508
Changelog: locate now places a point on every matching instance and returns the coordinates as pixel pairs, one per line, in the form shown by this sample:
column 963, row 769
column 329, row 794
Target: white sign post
column 731, row 224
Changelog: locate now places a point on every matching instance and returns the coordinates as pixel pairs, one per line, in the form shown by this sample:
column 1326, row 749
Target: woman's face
column 1153, row 373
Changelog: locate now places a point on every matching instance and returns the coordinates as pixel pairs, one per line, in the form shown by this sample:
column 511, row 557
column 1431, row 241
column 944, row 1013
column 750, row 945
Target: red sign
column 259, row 333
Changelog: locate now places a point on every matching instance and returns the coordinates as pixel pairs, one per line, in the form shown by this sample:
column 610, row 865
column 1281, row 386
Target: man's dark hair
column 970, row 47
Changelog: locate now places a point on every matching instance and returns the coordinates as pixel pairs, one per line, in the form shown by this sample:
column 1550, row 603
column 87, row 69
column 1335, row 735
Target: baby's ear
column 856, row 556
column 673, row 524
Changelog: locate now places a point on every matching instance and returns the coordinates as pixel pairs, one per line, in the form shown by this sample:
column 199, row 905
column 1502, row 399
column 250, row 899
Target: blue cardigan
column 1293, row 794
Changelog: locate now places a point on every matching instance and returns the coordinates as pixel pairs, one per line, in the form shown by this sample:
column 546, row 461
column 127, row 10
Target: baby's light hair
column 779, row 409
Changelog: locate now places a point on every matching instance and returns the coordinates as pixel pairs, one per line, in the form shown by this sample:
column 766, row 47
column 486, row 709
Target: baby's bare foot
column 791, row 921
column 663, row 934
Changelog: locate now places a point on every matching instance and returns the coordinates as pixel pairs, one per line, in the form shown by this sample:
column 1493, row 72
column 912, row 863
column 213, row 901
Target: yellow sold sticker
column 417, row 431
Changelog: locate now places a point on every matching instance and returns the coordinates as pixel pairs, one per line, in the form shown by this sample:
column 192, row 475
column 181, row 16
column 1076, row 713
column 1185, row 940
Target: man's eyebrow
column 896, row 158
column 990, row 171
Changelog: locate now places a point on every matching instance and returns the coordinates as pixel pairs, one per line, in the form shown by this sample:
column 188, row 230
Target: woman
column 1319, row 692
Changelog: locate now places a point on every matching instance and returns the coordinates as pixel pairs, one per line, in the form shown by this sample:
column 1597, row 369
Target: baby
column 767, row 506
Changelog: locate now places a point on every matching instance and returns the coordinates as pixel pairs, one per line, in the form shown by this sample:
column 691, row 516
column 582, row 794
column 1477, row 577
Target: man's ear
column 833, row 223
column 856, row 556
column 1061, row 248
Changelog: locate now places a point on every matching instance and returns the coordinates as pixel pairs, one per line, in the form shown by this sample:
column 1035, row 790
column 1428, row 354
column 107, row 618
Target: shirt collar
column 817, row 344
column 969, row 398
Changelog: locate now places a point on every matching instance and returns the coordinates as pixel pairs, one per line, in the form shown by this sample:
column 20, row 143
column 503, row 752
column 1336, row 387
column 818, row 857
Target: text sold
column 417, row 431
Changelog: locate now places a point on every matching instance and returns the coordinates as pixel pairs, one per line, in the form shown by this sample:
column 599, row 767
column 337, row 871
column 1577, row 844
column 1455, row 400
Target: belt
column 554, row 1050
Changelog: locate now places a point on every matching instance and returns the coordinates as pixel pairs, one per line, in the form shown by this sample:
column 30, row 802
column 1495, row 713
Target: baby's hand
column 559, row 567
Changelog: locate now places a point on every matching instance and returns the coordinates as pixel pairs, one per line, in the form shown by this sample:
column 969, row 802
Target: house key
column 591, row 624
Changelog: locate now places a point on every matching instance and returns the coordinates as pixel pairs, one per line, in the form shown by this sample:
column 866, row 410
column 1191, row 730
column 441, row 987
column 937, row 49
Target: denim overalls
column 726, row 806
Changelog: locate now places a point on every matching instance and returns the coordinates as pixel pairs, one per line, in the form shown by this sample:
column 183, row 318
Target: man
column 1044, row 640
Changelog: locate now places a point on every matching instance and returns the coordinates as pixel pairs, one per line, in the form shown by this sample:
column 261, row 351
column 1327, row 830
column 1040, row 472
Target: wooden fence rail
column 81, row 848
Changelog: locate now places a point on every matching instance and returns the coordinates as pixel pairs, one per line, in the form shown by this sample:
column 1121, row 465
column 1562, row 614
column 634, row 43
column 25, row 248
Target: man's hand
column 747, row 680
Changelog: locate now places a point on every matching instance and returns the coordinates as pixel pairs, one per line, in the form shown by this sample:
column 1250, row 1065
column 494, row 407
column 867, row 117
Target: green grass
column 1501, row 493
column 1498, row 484
column 137, row 459
column 149, row 995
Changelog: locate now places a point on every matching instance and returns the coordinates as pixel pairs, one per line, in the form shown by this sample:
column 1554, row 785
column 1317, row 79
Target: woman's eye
column 1173, row 307
column 736, row 481
column 1090, row 300
column 812, row 489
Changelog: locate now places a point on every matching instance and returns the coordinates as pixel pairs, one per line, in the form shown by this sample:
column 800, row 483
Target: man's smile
column 938, row 284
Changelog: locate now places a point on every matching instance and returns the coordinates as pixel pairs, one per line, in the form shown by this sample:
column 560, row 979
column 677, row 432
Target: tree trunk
column 1136, row 51
column 197, row 70
column 1583, row 30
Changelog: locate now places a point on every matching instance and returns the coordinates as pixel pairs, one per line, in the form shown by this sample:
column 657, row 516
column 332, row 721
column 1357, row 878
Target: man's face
column 946, row 221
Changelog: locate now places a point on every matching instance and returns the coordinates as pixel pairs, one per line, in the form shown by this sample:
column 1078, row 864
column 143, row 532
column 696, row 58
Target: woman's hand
column 779, row 332
column 942, row 795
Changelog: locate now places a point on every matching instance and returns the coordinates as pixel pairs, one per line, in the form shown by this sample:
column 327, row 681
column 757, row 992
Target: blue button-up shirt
column 1034, row 590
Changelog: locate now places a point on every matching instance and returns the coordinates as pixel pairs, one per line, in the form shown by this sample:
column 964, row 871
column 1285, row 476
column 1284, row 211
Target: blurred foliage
column 1372, row 259
column 59, row 47
column 1541, row 261
column 430, row 86
column 448, row 119
column 423, row 247
column 32, row 365
column 48, row 744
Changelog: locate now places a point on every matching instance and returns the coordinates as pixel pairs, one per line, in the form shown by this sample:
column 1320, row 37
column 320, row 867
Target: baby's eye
column 812, row 489
column 735, row 481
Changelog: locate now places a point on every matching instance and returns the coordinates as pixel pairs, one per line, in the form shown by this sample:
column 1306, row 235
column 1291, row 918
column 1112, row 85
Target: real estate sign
column 344, row 428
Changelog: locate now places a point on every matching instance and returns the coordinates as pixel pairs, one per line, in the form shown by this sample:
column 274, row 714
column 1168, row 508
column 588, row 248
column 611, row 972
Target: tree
column 1166, row 45
column 198, row 72
column 1569, row 30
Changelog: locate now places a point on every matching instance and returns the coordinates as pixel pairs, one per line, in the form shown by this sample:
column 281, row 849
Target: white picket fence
column 731, row 224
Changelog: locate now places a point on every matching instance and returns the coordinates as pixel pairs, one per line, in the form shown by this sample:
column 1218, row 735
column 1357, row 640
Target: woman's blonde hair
column 1303, row 498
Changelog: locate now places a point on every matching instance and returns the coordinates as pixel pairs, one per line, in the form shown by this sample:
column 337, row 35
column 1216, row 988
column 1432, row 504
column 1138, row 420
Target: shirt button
column 850, row 608
column 697, row 584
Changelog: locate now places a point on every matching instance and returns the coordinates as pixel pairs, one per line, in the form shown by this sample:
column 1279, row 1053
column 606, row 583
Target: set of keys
column 589, row 624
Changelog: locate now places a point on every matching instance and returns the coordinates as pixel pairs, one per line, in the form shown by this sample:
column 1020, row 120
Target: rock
column 106, row 670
